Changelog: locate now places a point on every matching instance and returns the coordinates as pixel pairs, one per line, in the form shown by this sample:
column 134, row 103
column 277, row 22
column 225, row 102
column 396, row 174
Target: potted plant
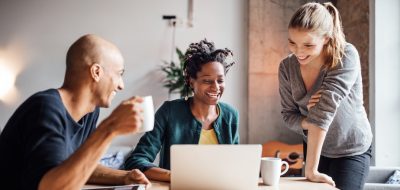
column 174, row 78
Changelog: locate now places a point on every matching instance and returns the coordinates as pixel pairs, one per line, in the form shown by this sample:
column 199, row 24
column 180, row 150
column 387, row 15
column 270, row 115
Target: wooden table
column 286, row 183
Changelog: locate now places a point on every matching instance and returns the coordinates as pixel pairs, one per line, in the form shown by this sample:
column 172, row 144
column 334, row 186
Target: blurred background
column 35, row 36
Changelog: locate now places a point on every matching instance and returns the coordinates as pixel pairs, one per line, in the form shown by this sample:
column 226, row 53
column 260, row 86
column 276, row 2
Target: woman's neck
column 204, row 113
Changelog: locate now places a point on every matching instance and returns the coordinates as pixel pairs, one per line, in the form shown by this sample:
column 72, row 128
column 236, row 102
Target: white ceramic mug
column 271, row 170
column 147, row 114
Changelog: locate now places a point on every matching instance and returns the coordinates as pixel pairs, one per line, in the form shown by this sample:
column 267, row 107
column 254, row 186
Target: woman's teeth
column 214, row 95
column 302, row 57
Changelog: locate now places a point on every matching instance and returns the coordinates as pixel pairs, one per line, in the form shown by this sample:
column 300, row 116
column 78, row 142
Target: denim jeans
column 349, row 173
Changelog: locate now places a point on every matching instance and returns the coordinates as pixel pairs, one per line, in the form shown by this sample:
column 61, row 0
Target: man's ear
column 96, row 72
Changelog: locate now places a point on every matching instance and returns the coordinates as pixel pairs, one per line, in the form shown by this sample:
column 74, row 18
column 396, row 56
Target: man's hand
column 126, row 118
column 314, row 100
column 136, row 176
column 319, row 177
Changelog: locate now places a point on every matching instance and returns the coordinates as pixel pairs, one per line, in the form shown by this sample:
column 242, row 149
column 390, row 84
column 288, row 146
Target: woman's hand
column 158, row 174
column 314, row 100
column 319, row 177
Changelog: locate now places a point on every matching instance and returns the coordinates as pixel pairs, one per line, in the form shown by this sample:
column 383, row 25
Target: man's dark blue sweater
column 39, row 136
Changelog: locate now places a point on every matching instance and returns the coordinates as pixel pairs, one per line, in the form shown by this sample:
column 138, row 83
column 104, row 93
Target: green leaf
column 174, row 79
column 181, row 56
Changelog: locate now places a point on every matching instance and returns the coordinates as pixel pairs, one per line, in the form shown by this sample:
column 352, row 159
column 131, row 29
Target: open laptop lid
column 215, row 166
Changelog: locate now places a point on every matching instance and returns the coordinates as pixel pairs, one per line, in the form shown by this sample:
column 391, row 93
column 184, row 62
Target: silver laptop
column 215, row 166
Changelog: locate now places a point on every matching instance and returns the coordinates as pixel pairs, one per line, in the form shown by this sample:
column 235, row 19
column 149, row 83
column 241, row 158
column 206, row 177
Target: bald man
column 51, row 141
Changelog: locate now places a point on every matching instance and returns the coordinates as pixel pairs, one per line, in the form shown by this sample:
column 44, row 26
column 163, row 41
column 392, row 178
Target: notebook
column 118, row 187
column 215, row 166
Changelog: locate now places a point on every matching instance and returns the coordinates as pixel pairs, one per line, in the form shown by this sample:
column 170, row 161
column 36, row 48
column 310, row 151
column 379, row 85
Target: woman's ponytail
column 335, row 48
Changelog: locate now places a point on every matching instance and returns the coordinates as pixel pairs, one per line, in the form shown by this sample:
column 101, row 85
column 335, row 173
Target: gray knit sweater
column 340, row 110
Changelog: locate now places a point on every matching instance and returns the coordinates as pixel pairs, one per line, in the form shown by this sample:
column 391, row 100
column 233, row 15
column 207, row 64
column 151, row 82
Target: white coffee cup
column 271, row 170
column 147, row 114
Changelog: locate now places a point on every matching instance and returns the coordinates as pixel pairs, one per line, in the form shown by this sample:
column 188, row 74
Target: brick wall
column 355, row 19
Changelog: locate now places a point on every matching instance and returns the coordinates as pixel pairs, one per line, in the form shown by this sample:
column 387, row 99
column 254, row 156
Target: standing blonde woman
column 321, row 94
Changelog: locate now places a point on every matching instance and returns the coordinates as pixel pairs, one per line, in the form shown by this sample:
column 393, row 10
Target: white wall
column 387, row 77
column 371, row 73
column 40, row 31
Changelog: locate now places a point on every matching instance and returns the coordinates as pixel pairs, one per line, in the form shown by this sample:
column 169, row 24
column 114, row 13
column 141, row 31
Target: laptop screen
column 215, row 166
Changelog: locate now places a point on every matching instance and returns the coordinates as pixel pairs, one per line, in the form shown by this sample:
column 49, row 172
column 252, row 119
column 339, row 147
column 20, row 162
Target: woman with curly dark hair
column 199, row 119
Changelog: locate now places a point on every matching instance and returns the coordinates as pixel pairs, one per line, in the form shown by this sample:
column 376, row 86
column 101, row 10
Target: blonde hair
column 323, row 19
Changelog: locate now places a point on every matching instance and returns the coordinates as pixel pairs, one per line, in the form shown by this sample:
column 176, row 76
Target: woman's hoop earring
column 187, row 93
